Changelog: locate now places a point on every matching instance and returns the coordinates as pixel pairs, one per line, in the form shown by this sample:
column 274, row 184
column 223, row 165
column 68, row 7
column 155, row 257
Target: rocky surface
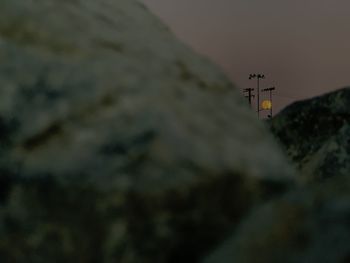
column 310, row 225
column 118, row 143
column 315, row 135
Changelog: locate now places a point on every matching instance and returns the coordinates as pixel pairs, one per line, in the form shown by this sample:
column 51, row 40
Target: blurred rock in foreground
column 307, row 226
column 316, row 135
column 310, row 224
column 118, row 143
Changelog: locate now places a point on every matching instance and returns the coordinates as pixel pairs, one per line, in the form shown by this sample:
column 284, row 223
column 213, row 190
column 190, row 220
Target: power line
column 288, row 97
column 258, row 77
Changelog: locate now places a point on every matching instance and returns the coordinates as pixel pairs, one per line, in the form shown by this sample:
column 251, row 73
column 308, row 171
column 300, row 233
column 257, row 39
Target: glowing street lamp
column 268, row 103
column 258, row 77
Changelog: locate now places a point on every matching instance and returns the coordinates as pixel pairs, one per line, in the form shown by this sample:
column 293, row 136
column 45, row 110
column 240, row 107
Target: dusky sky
column 302, row 46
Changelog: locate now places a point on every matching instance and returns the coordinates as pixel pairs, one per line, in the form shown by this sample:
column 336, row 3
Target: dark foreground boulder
column 315, row 134
column 310, row 225
column 117, row 143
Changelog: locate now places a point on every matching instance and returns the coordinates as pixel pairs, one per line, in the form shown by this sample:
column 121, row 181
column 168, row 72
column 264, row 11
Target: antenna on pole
column 250, row 95
column 258, row 77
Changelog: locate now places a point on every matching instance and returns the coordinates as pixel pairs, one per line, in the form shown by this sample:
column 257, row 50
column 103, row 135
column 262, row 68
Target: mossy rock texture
column 315, row 135
column 117, row 142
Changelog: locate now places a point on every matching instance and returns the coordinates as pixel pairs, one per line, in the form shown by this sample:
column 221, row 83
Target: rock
column 315, row 135
column 310, row 225
column 117, row 142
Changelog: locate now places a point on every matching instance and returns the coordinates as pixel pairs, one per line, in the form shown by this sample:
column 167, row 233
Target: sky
column 302, row 46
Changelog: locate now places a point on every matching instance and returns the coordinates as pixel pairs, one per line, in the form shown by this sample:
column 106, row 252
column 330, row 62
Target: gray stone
column 117, row 142
column 315, row 135
column 310, row 225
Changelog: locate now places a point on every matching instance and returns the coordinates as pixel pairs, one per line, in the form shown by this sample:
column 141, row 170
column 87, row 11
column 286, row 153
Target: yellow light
column 266, row 105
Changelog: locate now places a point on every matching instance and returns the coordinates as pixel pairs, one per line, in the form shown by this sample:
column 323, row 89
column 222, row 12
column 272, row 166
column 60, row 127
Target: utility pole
column 258, row 77
column 270, row 90
column 250, row 95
